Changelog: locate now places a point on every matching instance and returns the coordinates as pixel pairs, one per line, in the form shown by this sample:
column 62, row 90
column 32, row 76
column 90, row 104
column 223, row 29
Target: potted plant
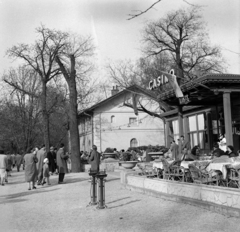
column 128, row 160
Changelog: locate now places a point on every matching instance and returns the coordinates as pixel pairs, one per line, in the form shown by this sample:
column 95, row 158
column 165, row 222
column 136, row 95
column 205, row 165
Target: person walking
column 3, row 166
column 30, row 160
column 9, row 165
column 51, row 156
column 18, row 160
column 94, row 159
column 41, row 155
column 46, row 174
column 61, row 163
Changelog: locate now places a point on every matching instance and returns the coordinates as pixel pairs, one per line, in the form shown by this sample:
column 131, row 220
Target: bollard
column 101, row 189
column 93, row 189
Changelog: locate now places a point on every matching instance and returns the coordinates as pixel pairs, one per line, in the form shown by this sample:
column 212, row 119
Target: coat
column 18, row 159
column 41, row 155
column 3, row 161
column 94, row 160
column 30, row 167
column 52, row 165
column 62, row 161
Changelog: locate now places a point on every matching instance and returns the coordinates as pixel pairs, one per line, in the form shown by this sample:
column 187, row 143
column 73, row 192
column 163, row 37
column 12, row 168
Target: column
column 228, row 117
column 167, row 134
column 186, row 128
column 180, row 120
column 209, row 129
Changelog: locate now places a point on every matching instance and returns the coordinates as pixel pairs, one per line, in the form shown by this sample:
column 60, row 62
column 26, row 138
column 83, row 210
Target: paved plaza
column 63, row 208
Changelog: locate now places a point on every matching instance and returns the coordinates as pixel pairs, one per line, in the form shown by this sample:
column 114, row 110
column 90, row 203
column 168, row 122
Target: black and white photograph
column 120, row 115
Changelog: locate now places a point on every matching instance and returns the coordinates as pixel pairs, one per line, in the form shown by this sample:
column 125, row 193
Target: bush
column 108, row 150
column 127, row 156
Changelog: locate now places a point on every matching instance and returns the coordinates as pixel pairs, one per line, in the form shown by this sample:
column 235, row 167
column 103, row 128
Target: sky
column 115, row 37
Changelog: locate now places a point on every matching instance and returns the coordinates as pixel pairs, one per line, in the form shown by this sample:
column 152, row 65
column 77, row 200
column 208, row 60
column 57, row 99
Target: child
column 45, row 172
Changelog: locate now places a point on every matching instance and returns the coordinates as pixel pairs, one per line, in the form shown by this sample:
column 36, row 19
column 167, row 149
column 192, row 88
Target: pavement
column 64, row 208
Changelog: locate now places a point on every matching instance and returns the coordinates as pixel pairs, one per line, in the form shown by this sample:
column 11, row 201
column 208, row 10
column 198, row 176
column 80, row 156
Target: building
column 210, row 107
column 112, row 123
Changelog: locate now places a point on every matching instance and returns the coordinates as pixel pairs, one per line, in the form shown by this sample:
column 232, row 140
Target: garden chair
column 202, row 176
column 177, row 172
column 166, row 169
column 147, row 170
column 234, row 178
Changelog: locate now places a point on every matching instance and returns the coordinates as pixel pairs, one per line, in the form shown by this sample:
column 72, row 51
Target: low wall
column 219, row 199
column 108, row 166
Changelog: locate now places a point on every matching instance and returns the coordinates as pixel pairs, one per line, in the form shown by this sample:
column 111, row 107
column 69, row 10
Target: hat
column 45, row 160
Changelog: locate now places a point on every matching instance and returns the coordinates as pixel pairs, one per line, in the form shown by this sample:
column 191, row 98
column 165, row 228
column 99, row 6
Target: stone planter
column 128, row 164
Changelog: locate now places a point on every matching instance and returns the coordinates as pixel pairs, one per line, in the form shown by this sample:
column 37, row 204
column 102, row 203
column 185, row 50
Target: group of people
column 183, row 151
column 39, row 165
column 7, row 163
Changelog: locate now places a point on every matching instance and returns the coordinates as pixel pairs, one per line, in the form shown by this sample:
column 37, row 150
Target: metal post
column 101, row 190
column 93, row 189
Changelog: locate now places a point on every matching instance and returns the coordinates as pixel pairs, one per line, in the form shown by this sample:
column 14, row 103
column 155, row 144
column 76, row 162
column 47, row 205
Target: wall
column 118, row 134
column 220, row 199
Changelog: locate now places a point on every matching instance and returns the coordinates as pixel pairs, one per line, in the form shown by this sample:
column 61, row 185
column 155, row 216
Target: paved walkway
column 62, row 208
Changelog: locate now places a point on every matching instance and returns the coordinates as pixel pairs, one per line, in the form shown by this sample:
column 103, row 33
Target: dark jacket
column 218, row 152
column 94, row 160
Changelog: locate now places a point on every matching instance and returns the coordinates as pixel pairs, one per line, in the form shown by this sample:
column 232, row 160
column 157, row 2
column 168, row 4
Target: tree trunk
column 73, row 126
column 73, row 122
column 45, row 116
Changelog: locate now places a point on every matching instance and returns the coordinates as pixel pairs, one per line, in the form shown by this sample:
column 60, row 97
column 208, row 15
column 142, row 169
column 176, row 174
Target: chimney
column 114, row 90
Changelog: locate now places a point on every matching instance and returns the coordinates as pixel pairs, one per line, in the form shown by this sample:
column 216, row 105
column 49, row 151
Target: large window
column 133, row 143
column 196, row 130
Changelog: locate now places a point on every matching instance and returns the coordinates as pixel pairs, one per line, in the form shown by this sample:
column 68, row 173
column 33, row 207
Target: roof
column 211, row 78
column 133, row 89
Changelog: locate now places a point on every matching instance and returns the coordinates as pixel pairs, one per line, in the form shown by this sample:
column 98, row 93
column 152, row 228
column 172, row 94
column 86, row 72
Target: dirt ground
column 63, row 208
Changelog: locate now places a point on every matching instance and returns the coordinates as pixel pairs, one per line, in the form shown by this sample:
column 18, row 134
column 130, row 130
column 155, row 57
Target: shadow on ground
column 22, row 194
column 118, row 200
column 130, row 202
column 12, row 201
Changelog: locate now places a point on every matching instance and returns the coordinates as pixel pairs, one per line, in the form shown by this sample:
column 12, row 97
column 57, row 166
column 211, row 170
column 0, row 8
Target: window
column 112, row 119
column 133, row 121
column 133, row 143
column 175, row 129
column 196, row 130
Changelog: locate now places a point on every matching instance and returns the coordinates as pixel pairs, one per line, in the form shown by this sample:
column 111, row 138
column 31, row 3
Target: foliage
column 127, row 156
column 108, row 150
column 156, row 148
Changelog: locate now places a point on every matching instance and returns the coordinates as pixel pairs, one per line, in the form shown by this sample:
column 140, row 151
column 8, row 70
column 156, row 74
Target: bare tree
column 182, row 35
column 21, row 113
column 40, row 56
column 73, row 65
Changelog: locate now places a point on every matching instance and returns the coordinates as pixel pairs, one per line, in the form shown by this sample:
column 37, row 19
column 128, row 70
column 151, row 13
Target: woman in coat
column 30, row 160
column 61, row 163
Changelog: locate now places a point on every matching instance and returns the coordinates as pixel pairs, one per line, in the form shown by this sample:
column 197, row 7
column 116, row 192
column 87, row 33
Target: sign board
column 164, row 79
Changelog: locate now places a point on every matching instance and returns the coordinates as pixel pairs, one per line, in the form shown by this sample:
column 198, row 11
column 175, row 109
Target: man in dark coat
column 61, row 163
column 51, row 159
column 94, row 159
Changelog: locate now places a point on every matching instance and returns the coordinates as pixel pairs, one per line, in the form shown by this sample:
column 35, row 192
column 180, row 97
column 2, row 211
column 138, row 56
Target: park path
column 62, row 208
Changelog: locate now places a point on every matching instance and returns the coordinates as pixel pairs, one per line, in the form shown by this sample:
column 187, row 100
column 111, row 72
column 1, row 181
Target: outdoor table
column 159, row 164
column 219, row 167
